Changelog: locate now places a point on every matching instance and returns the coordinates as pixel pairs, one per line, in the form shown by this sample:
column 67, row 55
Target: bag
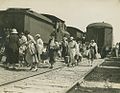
column 97, row 55
column 3, row 58
column 86, row 53
column 44, row 55
column 67, row 59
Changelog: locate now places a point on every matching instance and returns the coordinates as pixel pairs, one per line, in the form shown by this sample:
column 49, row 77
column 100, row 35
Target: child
column 22, row 50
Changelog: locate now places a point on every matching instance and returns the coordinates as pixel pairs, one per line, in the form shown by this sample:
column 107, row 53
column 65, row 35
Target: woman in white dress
column 31, row 55
column 39, row 46
column 72, row 45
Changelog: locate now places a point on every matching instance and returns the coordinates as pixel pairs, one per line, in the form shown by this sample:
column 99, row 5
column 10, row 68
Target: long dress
column 52, row 51
column 72, row 51
column 94, row 47
column 64, row 48
column 13, row 49
column 117, row 50
column 31, row 55
column 22, row 48
column 65, row 51
column 39, row 46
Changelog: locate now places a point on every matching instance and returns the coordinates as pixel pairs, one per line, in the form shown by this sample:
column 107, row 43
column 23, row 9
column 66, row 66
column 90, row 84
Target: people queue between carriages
column 26, row 50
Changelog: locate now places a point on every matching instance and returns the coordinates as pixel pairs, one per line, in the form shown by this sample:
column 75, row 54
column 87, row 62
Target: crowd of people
column 28, row 50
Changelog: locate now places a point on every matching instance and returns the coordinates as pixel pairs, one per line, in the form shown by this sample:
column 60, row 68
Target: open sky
column 77, row 13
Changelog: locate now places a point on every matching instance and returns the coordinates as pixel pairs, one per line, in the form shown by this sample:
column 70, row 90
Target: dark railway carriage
column 25, row 19
column 76, row 33
column 102, row 33
column 59, row 26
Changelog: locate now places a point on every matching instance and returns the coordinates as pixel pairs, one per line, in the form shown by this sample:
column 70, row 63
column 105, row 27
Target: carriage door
column 100, row 38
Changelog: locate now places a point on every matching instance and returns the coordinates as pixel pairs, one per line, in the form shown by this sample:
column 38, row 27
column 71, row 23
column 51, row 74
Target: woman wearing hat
column 13, row 48
column 39, row 46
column 72, row 46
column 31, row 54
column 92, row 52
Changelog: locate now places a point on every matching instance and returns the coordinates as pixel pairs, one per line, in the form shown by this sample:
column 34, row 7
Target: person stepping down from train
column 31, row 55
column 39, row 46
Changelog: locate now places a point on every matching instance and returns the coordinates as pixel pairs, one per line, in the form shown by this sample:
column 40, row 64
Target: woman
column 72, row 45
column 117, row 50
column 22, row 48
column 65, row 49
column 39, row 46
column 13, row 48
column 92, row 52
column 52, row 51
column 31, row 55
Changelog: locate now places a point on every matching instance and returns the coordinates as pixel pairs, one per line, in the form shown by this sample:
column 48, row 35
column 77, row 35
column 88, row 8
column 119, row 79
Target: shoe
column 35, row 69
column 31, row 68
column 68, row 65
column 51, row 67
column 13, row 68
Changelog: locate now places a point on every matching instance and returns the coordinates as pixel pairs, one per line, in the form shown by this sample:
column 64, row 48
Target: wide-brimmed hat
column 92, row 40
column 71, row 38
column 65, row 38
column 14, row 31
column 37, row 35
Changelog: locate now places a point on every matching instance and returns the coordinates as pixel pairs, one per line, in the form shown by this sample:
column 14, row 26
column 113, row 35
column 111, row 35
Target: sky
column 76, row 13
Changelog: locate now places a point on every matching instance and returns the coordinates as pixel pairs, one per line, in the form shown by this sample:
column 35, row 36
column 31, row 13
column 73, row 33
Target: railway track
column 76, row 85
column 30, row 76
column 88, row 85
column 57, row 80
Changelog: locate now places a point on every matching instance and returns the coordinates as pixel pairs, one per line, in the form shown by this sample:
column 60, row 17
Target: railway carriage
column 24, row 19
column 76, row 33
column 102, row 33
column 59, row 27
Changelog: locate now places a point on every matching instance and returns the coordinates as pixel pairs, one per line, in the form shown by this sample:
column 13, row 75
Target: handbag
column 97, row 55
column 3, row 58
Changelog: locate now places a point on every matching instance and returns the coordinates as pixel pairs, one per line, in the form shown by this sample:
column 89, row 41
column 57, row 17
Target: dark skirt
column 12, row 56
column 64, row 52
column 52, row 56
